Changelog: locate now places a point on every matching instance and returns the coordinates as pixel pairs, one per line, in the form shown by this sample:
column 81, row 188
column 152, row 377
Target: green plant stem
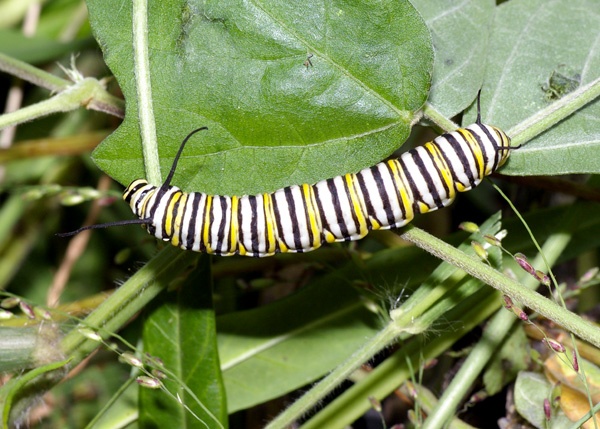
column 428, row 402
column 447, row 291
column 414, row 316
column 421, row 309
column 32, row 74
column 72, row 98
column 18, row 383
column 130, row 298
column 488, row 275
column 432, row 114
column 495, row 333
column 554, row 113
column 396, row 369
column 444, row 278
column 87, row 92
column 114, row 313
column 113, row 400
column 335, row 378
column 144, row 91
column 340, row 412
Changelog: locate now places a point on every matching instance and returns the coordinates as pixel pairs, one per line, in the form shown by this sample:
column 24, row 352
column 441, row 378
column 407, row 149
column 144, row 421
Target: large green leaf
column 238, row 68
column 291, row 342
column 460, row 31
column 532, row 41
column 530, row 391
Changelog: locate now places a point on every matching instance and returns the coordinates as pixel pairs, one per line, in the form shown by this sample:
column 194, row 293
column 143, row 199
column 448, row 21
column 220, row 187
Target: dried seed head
column 554, row 345
column 522, row 261
column 547, row 409
column 90, row 334
column 589, row 275
column 10, row 302
column 479, row 250
column 148, row 382
column 492, row 240
column 131, row 359
column 27, row 309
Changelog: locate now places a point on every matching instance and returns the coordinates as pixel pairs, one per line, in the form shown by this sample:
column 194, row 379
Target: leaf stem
column 144, row 91
column 396, row 369
column 32, row 74
column 432, row 114
column 414, row 316
column 81, row 93
column 531, row 299
column 381, row 340
column 131, row 297
column 554, row 113
column 8, row 408
column 495, row 333
column 87, row 92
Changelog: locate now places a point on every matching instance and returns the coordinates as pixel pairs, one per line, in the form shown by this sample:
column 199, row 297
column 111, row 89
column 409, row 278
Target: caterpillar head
column 504, row 147
column 136, row 195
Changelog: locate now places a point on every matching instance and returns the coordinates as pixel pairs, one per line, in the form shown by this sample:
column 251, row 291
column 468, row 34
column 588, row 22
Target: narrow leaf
column 180, row 331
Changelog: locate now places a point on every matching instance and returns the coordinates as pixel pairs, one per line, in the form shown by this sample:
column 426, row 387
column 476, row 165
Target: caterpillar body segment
column 301, row 218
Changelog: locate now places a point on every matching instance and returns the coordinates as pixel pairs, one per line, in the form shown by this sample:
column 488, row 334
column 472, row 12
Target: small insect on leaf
column 562, row 81
column 308, row 62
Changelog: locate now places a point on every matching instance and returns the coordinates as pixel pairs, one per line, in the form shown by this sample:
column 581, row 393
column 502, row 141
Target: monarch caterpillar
column 302, row 218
